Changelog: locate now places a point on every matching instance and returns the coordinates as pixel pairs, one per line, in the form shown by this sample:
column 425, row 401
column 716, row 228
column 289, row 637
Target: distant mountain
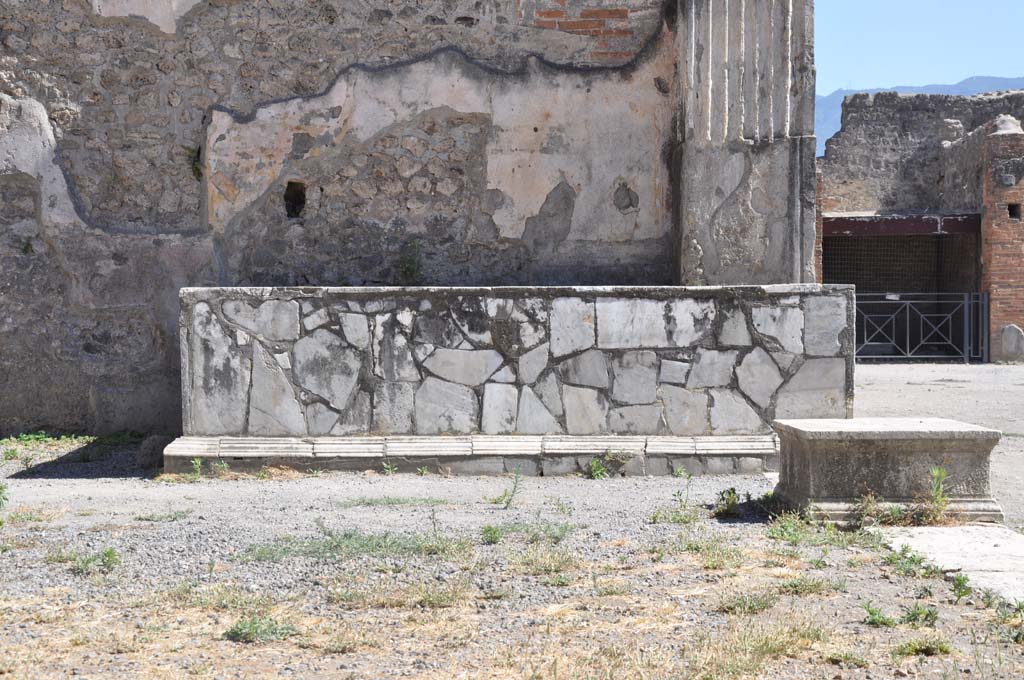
column 828, row 118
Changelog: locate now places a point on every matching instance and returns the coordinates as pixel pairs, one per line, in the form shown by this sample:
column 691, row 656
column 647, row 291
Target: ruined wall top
column 895, row 152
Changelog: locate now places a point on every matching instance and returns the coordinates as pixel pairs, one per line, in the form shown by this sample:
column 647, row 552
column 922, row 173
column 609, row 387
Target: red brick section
column 819, row 224
column 611, row 24
column 1002, row 244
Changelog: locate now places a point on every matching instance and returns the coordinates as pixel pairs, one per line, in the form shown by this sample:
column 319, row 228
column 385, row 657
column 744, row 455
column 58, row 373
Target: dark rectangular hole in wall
column 295, row 199
column 1014, row 210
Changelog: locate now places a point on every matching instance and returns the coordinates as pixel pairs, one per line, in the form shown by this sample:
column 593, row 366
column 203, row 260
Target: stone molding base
column 484, row 455
column 844, row 511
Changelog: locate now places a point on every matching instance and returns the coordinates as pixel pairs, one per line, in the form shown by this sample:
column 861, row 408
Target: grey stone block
column 746, row 465
column 501, row 404
column 712, row 368
column 533, row 363
column 216, row 404
column 829, row 464
column 445, row 408
column 818, row 390
column 635, row 378
column 273, row 320
column 586, row 410
column 589, row 369
column 785, row 325
column 534, row 417
column 646, row 419
column 686, row 411
column 323, row 364
column 719, row 465
column 629, row 323
column 731, row 414
column 150, row 453
column 674, row 372
column 273, row 409
column 1012, row 341
column 734, row 330
column 466, row 367
column 825, row 321
column 572, row 326
column 393, row 406
column 759, row 377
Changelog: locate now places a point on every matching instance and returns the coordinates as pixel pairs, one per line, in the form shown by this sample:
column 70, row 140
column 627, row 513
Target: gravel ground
column 108, row 572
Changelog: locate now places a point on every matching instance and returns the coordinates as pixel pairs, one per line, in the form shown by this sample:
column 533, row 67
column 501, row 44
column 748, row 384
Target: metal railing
column 922, row 327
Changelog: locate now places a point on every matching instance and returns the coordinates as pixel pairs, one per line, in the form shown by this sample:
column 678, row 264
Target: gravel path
column 110, row 573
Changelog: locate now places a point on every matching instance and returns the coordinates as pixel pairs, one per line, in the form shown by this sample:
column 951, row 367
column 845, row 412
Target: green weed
column 259, row 629
column 748, row 603
column 876, row 618
column 920, row 615
column 961, row 587
column 932, row 645
column 508, row 496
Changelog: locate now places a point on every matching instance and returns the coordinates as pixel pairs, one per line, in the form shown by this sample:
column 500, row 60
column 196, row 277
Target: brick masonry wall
column 1003, row 237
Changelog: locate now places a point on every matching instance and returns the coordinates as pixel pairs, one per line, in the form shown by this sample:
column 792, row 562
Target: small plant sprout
column 727, row 505
column 221, row 468
column 875, row 617
column 596, row 469
column 938, row 501
column 508, row 496
column 197, row 468
column 389, row 468
column 490, row 535
column 961, row 587
column 423, row 471
column 920, row 615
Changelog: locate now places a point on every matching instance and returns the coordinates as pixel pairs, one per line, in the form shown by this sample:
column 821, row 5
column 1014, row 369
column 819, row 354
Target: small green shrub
column 259, row 629
column 103, row 562
column 927, row 646
column 490, row 535
column 728, row 504
column 749, row 603
column 389, row 468
column 596, row 469
column 961, row 587
column 908, row 563
column 920, row 615
column 876, row 618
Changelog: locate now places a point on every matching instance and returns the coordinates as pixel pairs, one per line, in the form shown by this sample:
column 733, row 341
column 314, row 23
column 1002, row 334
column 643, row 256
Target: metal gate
column 922, row 327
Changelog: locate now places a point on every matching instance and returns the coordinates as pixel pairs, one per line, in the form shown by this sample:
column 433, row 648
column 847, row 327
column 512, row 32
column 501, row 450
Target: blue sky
column 882, row 43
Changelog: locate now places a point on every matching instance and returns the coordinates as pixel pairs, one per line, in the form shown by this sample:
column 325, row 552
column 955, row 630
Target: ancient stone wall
column 533, row 361
column 889, row 156
column 147, row 146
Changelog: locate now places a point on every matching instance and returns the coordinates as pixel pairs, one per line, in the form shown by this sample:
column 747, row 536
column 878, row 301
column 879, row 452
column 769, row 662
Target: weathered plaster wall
column 149, row 145
column 272, row 362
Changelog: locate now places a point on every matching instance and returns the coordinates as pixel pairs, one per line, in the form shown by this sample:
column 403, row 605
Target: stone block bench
column 828, row 465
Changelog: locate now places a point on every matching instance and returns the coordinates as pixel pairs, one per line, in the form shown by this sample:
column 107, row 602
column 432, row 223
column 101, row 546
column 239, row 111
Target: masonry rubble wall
column 147, row 146
column 890, row 155
column 296, row 362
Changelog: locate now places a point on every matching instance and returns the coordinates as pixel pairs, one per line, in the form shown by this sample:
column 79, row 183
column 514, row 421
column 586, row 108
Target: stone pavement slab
column 992, row 556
